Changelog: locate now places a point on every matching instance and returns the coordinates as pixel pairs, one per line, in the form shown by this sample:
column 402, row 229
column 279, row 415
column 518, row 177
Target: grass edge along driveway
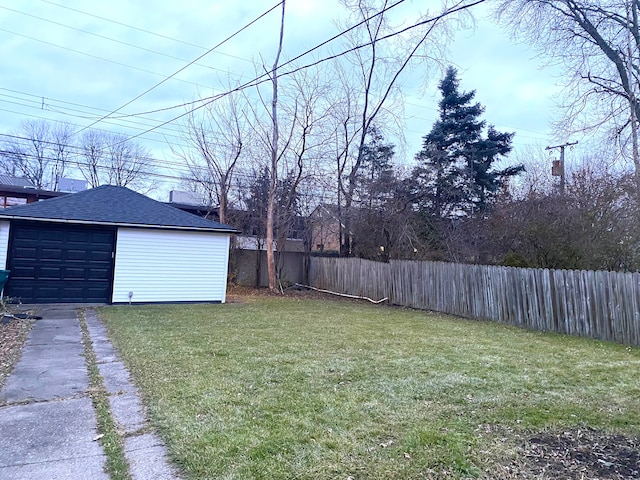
column 271, row 388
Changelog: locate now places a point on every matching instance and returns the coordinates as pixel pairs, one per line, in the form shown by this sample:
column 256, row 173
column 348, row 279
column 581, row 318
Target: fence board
column 604, row 305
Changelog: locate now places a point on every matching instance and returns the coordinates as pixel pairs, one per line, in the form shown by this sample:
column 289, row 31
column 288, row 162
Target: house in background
column 20, row 191
column 324, row 223
column 112, row 245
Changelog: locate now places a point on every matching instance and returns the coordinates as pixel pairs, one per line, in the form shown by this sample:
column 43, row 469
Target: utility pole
column 557, row 170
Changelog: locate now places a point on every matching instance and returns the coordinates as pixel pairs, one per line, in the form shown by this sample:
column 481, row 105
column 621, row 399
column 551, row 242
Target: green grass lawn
column 280, row 388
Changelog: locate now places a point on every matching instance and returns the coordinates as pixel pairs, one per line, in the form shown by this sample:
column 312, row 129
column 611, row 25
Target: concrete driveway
column 47, row 421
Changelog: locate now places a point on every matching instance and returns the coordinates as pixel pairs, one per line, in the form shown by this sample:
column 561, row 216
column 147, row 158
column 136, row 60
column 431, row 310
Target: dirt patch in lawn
column 578, row 454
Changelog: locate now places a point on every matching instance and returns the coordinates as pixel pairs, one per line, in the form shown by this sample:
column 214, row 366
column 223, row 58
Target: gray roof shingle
column 113, row 206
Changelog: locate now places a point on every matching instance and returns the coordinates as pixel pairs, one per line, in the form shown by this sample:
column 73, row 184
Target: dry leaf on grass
column 12, row 337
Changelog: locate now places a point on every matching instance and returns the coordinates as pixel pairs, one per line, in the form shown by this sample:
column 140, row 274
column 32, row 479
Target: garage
column 52, row 263
column 112, row 245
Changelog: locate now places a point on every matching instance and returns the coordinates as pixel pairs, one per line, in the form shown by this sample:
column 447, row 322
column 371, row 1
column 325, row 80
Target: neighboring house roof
column 110, row 205
column 27, row 191
column 199, row 210
column 15, row 181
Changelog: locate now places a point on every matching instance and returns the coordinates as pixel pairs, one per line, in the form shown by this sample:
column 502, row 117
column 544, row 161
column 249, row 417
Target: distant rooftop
column 15, row 181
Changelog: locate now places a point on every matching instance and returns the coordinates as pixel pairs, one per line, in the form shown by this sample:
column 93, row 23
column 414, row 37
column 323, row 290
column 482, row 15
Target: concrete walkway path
column 47, row 420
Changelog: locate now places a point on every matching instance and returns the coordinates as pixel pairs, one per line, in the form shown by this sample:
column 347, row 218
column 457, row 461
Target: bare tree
column 38, row 151
column 593, row 226
column 598, row 44
column 92, row 148
column 112, row 159
column 218, row 137
column 128, row 163
column 306, row 111
column 292, row 134
column 276, row 154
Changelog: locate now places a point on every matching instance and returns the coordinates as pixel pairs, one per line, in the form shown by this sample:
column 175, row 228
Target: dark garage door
column 53, row 263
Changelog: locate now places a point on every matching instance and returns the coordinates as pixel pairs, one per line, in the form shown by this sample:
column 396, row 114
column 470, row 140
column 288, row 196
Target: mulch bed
column 579, row 454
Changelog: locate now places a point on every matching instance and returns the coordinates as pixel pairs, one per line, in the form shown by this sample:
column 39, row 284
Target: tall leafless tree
column 306, row 110
column 92, row 146
column 218, row 137
column 38, row 151
column 111, row 159
column 129, row 163
column 597, row 42
column 276, row 154
column 292, row 136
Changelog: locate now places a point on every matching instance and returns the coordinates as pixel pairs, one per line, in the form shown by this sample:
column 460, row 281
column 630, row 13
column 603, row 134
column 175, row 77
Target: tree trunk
column 222, row 210
column 271, row 261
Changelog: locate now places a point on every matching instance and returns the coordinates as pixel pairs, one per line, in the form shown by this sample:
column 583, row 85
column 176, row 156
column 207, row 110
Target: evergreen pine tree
column 455, row 164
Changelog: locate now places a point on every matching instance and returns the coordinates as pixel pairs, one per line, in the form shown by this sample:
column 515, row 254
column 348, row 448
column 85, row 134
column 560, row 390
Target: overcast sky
column 76, row 61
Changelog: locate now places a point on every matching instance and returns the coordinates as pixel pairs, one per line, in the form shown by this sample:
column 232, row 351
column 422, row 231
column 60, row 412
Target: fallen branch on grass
column 342, row 294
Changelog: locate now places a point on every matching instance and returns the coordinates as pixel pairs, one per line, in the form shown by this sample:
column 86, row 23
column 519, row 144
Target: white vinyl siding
column 4, row 244
column 170, row 266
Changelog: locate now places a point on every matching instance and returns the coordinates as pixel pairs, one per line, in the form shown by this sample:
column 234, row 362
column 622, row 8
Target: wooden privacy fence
column 603, row 305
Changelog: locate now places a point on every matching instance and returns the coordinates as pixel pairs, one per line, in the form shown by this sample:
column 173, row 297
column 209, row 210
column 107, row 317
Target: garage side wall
column 4, row 244
column 170, row 266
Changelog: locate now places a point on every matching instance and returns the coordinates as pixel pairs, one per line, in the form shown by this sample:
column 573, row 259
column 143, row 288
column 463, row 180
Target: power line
column 38, row 103
column 164, row 142
column 219, row 44
column 111, row 39
column 143, row 30
column 80, row 164
column 97, row 57
column 256, row 82
column 246, row 85
column 166, row 163
column 41, row 104
column 80, row 150
column 260, row 79
column 142, row 128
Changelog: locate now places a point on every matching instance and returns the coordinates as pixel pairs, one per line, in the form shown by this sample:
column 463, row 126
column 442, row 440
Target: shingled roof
column 109, row 205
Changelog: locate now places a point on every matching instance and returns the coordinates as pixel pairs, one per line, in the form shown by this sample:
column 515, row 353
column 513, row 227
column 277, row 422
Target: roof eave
column 119, row 224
